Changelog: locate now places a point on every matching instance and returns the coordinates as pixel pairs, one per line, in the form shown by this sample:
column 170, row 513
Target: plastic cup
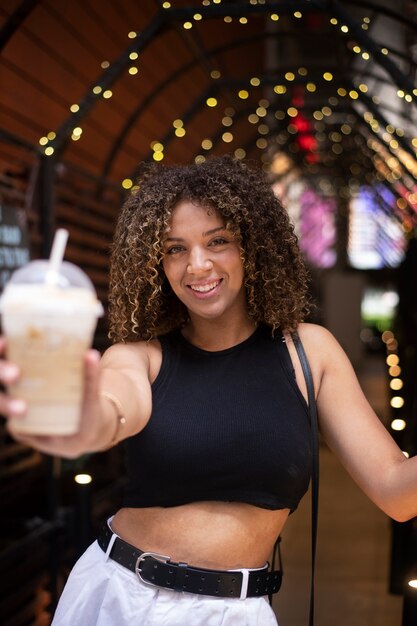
column 49, row 324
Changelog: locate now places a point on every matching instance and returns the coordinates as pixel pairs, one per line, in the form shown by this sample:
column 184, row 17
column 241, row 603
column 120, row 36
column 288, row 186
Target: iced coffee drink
column 49, row 324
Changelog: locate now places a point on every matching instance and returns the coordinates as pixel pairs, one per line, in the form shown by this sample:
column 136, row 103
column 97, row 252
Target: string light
column 83, row 479
column 397, row 402
column 263, row 129
column 211, row 102
column 240, row 153
column 227, row 137
column 396, row 384
column 261, row 111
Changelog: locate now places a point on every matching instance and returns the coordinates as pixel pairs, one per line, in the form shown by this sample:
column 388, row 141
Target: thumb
column 91, row 378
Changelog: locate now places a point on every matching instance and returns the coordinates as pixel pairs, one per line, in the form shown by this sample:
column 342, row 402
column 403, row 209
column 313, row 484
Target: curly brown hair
column 141, row 303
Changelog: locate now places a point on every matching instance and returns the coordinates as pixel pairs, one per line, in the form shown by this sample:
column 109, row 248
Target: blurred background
column 321, row 95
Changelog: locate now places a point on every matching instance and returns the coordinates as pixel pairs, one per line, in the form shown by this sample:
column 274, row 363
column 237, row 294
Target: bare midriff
column 214, row 535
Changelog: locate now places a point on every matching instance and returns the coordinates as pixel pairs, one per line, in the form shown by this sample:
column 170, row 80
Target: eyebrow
column 206, row 234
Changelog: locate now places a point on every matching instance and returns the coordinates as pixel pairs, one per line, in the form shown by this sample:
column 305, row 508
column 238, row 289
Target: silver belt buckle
column 158, row 557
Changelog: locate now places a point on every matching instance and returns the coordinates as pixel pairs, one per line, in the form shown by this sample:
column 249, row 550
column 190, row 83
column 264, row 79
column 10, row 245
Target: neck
column 216, row 335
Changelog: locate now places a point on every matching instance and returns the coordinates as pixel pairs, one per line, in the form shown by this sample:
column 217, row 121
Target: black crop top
column 230, row 425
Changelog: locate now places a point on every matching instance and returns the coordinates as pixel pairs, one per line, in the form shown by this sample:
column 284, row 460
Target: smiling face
column 202, row 263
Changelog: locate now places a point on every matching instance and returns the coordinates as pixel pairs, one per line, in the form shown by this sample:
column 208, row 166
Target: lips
column 205, row 288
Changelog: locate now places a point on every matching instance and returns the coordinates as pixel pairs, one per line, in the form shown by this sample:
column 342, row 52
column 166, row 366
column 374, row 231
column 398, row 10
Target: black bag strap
column 315, row 460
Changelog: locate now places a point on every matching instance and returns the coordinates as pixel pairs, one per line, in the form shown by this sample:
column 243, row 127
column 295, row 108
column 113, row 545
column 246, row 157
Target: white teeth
column 204, row 288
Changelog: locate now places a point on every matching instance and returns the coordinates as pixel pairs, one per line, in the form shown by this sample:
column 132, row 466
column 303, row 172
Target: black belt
column 155, row 569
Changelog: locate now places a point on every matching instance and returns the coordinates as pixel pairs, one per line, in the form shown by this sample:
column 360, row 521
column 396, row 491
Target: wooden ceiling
column 102, row 85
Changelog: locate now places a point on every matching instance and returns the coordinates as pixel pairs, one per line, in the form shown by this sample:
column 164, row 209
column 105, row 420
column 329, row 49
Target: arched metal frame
column 166, row 17
column 164, row 20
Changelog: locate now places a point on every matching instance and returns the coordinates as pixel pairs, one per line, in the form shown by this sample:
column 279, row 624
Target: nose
column 199, row 261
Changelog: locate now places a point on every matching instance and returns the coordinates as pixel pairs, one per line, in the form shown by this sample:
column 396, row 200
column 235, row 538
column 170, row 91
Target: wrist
column 118, row 421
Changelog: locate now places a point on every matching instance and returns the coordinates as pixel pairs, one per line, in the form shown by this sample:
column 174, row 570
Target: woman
column 204, row 384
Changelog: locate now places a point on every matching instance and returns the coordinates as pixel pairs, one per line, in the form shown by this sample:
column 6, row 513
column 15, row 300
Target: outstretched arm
column 354, row 432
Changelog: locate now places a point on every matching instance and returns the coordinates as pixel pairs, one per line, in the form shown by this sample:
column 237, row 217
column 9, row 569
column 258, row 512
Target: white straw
column 57, row 255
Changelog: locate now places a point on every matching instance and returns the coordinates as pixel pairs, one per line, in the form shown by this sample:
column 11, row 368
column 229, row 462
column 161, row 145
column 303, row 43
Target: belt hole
column 233, row 580
column 217, row 591
column 203, row 578
column 187, row 576
column 200, row 589
column 219, row 580
column 155, row 566
column 170, row 571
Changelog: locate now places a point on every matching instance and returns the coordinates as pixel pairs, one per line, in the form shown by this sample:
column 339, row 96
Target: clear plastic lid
column 68, row 291
column 37, row 272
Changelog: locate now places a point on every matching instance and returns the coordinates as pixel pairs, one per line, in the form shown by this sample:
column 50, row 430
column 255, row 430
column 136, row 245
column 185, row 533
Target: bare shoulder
column 320, row 344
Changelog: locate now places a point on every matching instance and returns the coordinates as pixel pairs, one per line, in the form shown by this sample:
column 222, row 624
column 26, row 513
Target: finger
column 91, row 369
column 9, row 372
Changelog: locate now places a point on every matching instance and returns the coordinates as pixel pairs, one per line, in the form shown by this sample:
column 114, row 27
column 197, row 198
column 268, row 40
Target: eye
column 218, row 241
column 174, row 250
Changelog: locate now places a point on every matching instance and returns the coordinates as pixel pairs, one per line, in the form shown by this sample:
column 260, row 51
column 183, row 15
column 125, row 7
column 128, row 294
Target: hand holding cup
column 49, row 313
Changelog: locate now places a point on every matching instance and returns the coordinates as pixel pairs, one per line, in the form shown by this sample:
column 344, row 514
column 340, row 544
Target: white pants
column 100, row 592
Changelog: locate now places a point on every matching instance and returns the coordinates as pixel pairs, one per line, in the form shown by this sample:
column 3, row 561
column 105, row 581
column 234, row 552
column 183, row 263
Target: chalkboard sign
column 14, row 242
